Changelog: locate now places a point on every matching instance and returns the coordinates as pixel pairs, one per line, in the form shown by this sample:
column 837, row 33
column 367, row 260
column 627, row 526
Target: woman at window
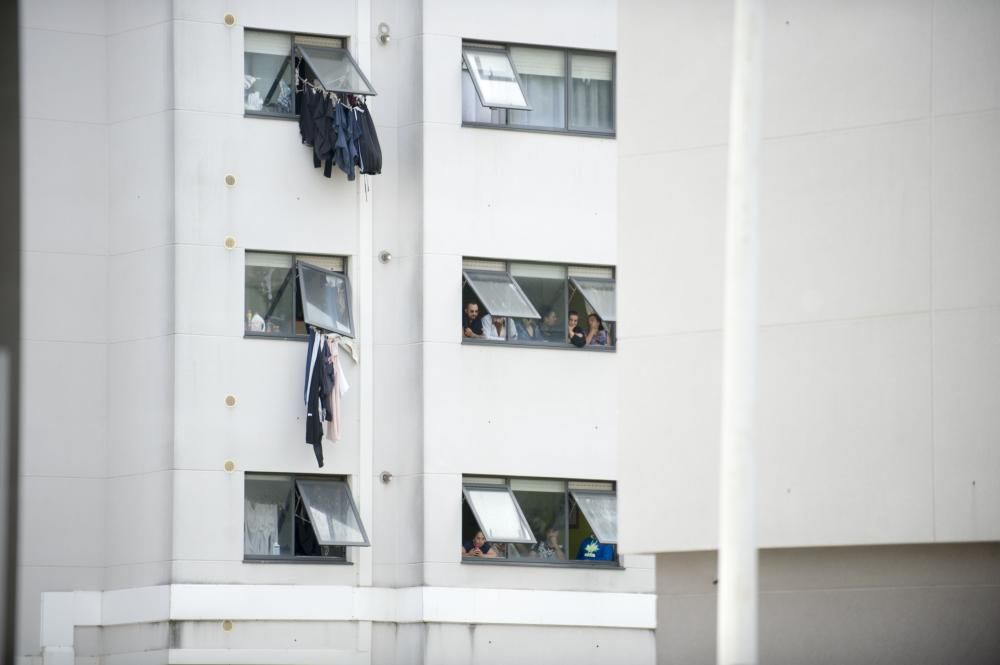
column 596, row 334
column 478, row 547
column 550, row 548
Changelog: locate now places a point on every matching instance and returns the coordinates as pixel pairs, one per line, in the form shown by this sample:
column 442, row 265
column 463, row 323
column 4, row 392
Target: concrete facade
column 879, row 309
column 132, row 538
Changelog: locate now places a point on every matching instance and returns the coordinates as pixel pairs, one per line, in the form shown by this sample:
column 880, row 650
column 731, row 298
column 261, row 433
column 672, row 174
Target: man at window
column 496, row 328
column 472, row 325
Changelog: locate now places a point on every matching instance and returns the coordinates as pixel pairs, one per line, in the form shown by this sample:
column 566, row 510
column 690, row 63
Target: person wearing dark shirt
column 551, row 330
column 574, row 333
column 472, row 325
column 478, row 547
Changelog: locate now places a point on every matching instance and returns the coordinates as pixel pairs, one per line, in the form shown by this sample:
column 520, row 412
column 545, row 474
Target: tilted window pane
column 268, row 85
column 267, row 516
column 326, row 299
column 269, row 294
column 600, row 294
column 601, row 511
column 592, row 93
column 336, row 69
column 495, row 78
column 472, row 107
column 331, row 263
column 498, row 515
column 334, row 516
column 543, row 74
column 500, row 295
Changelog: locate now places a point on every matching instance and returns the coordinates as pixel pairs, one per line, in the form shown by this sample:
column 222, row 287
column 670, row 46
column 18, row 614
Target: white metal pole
column 737, row 610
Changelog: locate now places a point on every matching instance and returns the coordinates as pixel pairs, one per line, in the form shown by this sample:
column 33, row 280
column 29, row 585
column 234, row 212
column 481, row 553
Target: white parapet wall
column 64, row 612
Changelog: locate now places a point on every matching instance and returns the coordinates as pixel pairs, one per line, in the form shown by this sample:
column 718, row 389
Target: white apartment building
column 878, row 412
column 177, row 245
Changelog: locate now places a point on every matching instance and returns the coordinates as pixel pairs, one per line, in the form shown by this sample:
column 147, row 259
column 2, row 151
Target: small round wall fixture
column 230, row 180
column 229, row 20
column 384, row 34
column 230, row 465
column 227, row 625
column 230, row 400
column 384, row 256
column 229, row 242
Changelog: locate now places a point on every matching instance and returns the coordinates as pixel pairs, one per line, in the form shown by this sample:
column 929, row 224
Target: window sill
column 540, row 130
column 538, row 345
column 270, row 116
column 322, row 560
column 574, row 565
column 257, row 335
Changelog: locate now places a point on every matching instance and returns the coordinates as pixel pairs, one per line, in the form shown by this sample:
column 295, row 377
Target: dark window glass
column 277, row 523
column 273, row 304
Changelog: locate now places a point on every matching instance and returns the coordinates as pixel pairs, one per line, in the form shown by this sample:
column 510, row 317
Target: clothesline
column 346, row 343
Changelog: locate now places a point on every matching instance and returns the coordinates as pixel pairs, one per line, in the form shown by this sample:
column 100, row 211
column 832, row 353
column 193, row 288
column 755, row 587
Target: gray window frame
column 568, row 494
column 354, row 509
column 347, row 287
column 496, row 488
column 583, row 292
column 294, row 36
column 567, row 92
column 292, row 479
column 470, row 280
column 467, row 48
column 295, row 280
column 565, row 346
column 579, row 505
column 302, row 50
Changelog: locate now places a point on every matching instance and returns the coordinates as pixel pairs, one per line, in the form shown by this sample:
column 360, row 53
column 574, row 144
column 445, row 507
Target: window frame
column 300, row 278
column 342, row 484
column 301, row 50
column 483, row 487
column 568, row 53
column 582, row 290
column 293, row 479
column 471, row 281
column 467, row 48
column 567, row 280
column 576, row 493
column 505, row 482
column 296, row 258
column 294, row 36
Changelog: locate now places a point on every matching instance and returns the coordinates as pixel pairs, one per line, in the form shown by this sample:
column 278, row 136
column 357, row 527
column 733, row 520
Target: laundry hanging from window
column 325, row 384
column 333, row 117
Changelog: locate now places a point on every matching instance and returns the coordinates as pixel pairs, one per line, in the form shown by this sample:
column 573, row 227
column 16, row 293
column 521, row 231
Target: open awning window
column 495, row 77
column 335, row 518
column 599, row 294
column 500, row 294
column 335, row 69
column 601, row 511
column 326, row 299
column 498, row 514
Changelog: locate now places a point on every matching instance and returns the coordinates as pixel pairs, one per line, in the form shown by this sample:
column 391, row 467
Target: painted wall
column 879, row 297
column 97, row 374
column 892, row 604
column 279, row 203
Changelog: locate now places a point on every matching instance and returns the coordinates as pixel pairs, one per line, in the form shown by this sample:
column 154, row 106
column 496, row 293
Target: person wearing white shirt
column 496, row 328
